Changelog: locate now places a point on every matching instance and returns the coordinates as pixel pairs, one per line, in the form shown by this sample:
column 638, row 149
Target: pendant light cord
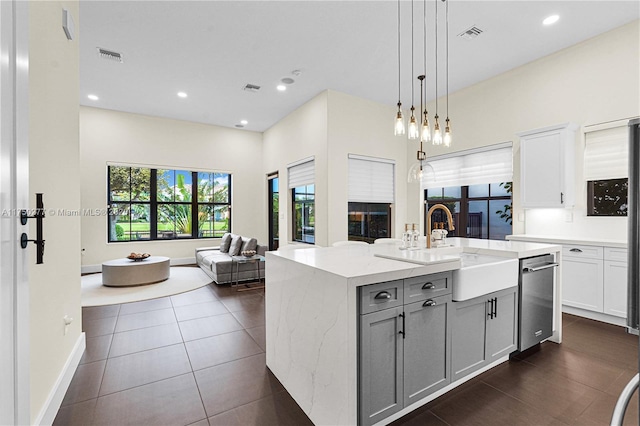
column 398, row 51
column 412, row 68
column 424, row 34
column 447, row 51
column 436, row 14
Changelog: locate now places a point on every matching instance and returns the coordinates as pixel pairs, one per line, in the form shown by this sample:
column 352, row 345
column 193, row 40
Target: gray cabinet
column 502, row 331
column 403, row 350
column 381, row 372
column 483, row 330
column 426, row 347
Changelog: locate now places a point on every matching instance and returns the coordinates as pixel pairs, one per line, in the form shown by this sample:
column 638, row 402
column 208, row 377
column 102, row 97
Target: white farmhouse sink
column 482, row 274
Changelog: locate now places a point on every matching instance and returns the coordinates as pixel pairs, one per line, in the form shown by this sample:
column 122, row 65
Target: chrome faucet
column 449, row 219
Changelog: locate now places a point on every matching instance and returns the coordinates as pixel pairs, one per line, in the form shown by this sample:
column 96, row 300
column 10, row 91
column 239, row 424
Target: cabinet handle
column 495, row 307
column 404, row 335
column 429, row 302
column 561, row 198
column 428, row 286
column 576, row 250
column 383, row 295
column 490, row 314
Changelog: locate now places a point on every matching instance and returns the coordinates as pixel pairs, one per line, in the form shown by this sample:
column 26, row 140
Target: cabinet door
column 582, row 283
column 502, row 335
column 426, row 348
column 468, row 336
column 542, row 176
column 380, row 372
column 615, row 288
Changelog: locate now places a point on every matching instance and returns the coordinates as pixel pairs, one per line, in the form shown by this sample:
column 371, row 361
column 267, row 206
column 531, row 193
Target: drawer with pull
column 582, row 251
column 426, row 286
column 376, row 297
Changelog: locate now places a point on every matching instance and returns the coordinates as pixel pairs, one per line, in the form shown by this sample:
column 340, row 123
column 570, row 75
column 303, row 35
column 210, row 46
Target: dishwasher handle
column 540, row 268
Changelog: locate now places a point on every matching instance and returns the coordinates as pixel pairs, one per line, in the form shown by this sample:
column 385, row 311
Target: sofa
column 216, row 261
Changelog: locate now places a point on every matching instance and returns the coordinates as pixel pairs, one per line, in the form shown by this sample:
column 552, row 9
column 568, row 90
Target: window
column 479, row 211
column 301, row 176
column 160, row 204
column 368, row 221
column 304, row 218
column 607, row 197
column 606, row 169
column 371, row 194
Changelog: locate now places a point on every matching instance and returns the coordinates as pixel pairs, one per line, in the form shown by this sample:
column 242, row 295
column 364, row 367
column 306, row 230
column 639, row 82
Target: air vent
column 470, row 33
column 109, row 55
column 251, row 87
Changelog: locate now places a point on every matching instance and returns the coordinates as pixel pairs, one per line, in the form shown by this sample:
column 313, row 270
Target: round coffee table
column 126, row 272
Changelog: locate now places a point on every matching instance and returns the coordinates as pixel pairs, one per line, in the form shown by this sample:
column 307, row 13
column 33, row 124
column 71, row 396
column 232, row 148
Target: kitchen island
column 315, row 306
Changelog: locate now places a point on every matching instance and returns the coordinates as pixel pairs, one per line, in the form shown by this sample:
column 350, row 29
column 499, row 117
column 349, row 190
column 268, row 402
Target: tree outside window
column 151, row 204
column 304, row 214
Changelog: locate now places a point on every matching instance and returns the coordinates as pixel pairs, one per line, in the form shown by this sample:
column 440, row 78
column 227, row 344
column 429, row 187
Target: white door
column 14, row 327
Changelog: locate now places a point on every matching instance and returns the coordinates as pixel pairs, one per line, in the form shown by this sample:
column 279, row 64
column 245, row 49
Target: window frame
column 464, row 199
column 367, row 212
column 154, row 204
column 303, row 203
column 590, row 198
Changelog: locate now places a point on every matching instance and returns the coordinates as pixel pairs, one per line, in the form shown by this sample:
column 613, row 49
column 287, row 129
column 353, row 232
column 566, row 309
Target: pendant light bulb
column 447, row 133
column 437, row 134
column 426, row 129
column 399, row 124
column 413, row 132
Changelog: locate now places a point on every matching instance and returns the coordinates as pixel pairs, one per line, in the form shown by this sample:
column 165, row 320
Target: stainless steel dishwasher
column 535, row 318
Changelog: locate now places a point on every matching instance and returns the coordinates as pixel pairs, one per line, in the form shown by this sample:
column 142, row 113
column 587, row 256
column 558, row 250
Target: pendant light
column 399, row 122
column 413, row 131
column 437, row 134
column 447, row 128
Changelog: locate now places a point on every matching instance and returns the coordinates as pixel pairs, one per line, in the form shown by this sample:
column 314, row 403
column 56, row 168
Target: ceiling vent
column 251, row 88
column 470, row 33
column 109, row 55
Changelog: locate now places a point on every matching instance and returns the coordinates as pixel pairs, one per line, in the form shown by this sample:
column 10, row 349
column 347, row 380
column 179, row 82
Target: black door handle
column 39, row 217
column 404, row 334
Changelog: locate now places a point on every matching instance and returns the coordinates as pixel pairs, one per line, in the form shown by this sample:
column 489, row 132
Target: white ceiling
column 211, row 49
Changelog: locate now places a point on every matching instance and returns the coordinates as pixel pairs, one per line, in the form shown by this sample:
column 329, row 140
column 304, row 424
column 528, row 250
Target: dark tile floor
column 198, row 359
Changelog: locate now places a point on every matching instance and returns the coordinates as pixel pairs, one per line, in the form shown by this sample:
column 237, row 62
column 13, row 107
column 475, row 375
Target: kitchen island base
column 315, row 310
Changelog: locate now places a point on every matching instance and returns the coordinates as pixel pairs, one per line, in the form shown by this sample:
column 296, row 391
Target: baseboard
column 609, row 319
column 92, row 269
column 52, row 405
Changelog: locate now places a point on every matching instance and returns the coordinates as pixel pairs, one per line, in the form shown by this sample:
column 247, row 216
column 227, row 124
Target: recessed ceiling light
column 93, row 97
column 244, row 122
column 182, row 95
column 551, row 20
column 281, row 87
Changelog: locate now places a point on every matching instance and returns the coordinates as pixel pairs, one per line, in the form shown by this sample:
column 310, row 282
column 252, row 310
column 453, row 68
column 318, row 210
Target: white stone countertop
column 382, row 262
column 568, row 240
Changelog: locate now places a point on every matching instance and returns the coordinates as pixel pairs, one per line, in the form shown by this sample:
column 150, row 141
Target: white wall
column 359, row 126
column 111, row 136
column 592, row 82
column 301, row 134
column 54, row 171
column 330, row 127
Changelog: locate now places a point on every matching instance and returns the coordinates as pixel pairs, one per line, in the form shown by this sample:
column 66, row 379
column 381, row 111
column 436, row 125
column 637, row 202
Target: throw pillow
column 249, row 244
column 225, row 243
column 236, row 245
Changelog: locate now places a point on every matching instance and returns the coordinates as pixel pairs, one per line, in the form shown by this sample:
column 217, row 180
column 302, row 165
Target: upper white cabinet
column 547, row 166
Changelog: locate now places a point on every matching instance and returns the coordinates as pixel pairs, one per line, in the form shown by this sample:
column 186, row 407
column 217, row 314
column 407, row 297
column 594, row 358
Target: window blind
column 301, row 173
column 371, row 180
column 489, row 164
column 606, row 154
